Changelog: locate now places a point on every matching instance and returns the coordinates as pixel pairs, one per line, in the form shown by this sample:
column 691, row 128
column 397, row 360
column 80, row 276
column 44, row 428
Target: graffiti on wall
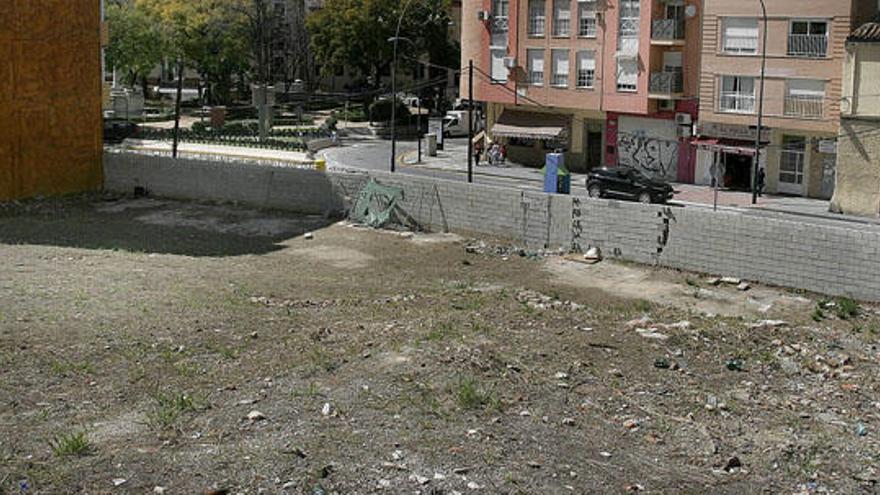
column 656, row 157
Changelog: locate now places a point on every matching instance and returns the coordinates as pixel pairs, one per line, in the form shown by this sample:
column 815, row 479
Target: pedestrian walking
column 762, row 181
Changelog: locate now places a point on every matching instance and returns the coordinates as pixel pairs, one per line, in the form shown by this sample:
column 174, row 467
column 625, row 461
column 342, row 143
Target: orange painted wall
column 50, row 97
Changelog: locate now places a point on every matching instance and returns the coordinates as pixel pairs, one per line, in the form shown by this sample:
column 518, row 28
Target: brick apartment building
column 610, row 82
column 666, row 86
column 805, row 59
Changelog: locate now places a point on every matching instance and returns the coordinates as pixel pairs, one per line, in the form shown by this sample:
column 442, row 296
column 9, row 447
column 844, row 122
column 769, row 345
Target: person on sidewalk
column 478, row 150
column 762, row 182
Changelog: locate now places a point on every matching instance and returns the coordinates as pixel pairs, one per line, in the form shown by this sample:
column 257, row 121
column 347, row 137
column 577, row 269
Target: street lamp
column 760, row 109
column 395, row 39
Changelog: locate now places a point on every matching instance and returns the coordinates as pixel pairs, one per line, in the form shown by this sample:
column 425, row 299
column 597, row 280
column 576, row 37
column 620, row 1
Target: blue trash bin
column 557, row 179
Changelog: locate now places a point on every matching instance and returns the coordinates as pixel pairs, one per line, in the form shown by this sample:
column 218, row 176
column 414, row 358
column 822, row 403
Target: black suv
column 627, row 183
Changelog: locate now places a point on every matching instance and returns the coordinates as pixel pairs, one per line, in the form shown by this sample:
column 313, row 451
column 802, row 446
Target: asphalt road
column 373, row 154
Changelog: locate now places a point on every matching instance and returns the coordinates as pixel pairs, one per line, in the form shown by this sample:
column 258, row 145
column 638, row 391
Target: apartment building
column 802, row 95
column 608, row 81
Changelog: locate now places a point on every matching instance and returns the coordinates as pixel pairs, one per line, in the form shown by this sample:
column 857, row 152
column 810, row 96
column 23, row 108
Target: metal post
column 177, row 107
column 394, row 105
column 470, row 143
column 419, row 124
column 760, row 110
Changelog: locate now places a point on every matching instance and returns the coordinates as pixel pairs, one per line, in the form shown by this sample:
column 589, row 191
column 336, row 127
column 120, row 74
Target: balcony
column 804, row 107
column 667, row 32
column 807, row 45
column 666, row 85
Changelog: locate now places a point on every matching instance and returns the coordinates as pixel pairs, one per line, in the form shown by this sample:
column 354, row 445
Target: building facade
column 610, row 83
column 805, row 56
column 857, row 190
column 50, row 98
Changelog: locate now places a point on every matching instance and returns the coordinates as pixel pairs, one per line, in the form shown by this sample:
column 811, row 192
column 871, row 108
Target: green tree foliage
column 355, row 33
column 137, row 44
column 210, row 36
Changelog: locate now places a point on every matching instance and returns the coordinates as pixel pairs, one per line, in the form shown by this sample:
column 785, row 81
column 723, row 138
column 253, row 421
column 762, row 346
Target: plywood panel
column 50, row 97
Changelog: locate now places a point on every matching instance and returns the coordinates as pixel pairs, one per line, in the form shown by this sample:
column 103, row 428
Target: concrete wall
column 284, row 188
column 50, row 97
column 838, row 259
column 858, row 169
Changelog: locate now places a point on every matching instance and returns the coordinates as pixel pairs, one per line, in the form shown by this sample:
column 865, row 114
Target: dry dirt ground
column 160, row 347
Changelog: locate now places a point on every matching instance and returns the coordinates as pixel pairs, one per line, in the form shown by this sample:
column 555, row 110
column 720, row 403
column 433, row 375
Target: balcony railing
column 804, row 107
column 807, row 45
column 667, row 30
column 737, row 102
column 667, row 83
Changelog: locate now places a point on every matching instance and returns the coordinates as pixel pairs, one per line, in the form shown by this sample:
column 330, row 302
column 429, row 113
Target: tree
column 137, row 44
column 209, row 36
column 355, row 33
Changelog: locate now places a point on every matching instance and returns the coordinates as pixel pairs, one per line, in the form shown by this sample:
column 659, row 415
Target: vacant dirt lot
column 150, row 346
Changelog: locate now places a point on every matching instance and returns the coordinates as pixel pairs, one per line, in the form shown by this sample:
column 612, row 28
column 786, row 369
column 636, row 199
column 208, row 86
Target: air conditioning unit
column 484, row 16
column 510, row 62
column 683, row 119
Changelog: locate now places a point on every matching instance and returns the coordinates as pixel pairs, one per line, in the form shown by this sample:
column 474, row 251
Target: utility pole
column 419, row 124
column 177, row 107
column 470, row 143
column 760, row 110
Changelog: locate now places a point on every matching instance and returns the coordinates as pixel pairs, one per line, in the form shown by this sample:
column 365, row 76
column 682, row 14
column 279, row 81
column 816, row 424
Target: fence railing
column 667, row 82
column 667, row 30
column 807, row 45
column 805, row 107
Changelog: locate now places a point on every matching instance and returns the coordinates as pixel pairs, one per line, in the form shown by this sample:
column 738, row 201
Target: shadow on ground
column 151, row 226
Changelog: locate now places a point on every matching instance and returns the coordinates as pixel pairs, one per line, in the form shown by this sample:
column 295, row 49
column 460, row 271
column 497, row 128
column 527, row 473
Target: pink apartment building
column 611, row 82
column 802, row 96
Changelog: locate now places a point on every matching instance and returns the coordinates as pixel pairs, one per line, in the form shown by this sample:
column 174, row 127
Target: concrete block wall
column 831, row 258
column 263, row 186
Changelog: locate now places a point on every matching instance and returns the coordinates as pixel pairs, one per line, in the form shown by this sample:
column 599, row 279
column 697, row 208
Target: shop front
column 726, row 155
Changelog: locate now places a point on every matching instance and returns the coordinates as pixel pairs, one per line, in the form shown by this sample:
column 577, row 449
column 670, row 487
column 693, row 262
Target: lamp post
column 395, row 40
column 760, row 108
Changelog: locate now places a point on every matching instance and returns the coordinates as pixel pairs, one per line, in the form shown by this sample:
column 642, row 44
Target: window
column 628, row 45
column 535, row 60
column 737, row 94
column 629, row 18
column 791, row 161
column 560, row 68
column 500, row 27
column 537, row 17
column 561, row 18
column 804, row 98
column 499, row 39
column 587, row 18
column 586, row 69
column 808, row 39
column 739, row 35
column 627, row 74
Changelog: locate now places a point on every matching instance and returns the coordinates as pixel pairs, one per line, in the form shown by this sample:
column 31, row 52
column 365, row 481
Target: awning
column 528, row 125
column 731, row 146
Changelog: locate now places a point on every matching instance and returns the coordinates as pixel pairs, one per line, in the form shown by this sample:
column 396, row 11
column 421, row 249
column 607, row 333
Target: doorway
column 594, row 150
column 737, row 171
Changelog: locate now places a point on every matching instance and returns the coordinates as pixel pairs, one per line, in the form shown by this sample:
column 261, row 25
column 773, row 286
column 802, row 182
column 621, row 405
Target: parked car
column 627, row 183
column 118, row 130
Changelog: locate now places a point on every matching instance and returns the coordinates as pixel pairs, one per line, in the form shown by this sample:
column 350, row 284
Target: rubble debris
column 541, row 302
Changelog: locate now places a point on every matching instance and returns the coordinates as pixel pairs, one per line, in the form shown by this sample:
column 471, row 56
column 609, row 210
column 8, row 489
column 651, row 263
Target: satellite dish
column 690, row 11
